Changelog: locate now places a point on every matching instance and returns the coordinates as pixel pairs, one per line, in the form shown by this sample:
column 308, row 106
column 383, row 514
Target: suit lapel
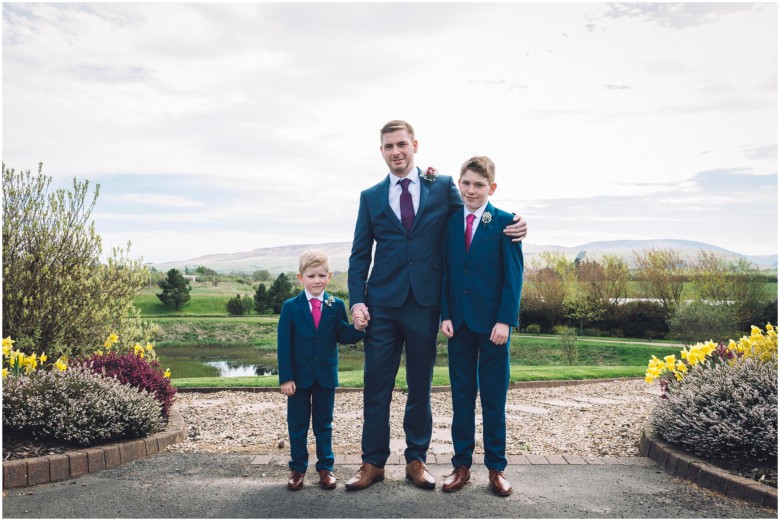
column 425, row 187
column 303, row 306
column 383, row 201
column 481, row 228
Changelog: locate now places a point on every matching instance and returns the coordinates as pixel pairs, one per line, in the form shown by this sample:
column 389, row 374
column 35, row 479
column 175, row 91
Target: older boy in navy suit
column 310, row 325
column 482, row 281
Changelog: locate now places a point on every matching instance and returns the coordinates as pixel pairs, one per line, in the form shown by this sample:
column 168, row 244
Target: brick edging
column 73, row 464
column 686, row 466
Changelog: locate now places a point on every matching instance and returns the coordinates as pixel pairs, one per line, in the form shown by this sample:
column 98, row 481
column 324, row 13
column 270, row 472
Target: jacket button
column 465, row 271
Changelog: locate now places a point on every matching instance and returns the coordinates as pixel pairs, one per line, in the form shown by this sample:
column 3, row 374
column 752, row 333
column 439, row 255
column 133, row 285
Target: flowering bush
column 720, row 400
column 134, row 370
column 723, row 410
column 77, row 406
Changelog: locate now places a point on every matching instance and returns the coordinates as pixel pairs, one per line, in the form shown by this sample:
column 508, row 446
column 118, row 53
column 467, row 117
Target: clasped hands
column 360, row 316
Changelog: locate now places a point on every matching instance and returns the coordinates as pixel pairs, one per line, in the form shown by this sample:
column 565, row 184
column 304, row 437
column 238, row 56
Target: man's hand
column 500, row 333
column 446, row 328
column 288, row 388
column 518, row 230
column 360, row 316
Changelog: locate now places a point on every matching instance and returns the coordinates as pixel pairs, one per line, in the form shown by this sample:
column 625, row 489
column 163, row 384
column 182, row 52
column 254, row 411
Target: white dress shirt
column 395, row 191
column 477, row 218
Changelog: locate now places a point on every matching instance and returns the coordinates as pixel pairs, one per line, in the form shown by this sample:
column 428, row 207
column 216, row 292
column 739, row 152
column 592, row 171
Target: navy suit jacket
column 401, row 261
column 481, row 287
column 307, row 353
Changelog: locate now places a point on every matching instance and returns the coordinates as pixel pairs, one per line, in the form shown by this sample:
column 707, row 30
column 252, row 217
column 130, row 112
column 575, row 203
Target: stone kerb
column 72, row 464
column 685, row 466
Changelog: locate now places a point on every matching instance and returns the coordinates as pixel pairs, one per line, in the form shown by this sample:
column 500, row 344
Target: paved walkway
column 171, row 485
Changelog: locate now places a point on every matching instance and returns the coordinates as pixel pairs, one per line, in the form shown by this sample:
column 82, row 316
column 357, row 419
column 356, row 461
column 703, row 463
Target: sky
column 220, row 128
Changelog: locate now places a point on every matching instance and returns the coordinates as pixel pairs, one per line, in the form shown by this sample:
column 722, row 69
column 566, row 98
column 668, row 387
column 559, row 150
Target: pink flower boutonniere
column 430, row 174
column 486, row 218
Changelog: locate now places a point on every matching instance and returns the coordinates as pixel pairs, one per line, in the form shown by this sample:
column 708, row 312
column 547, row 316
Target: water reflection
column 233, row 369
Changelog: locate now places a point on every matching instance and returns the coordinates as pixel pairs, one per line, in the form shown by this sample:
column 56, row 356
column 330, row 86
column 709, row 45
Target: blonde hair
column 312, row 259
column 395, row 125
column 481, row 165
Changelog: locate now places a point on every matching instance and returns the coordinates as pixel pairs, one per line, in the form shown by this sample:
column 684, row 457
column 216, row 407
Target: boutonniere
column 486, row 218
column 330, row 300
column 430, row 174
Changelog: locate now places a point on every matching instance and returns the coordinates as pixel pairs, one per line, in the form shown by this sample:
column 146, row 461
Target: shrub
column 58, row 293
column 591, row 331
column 533, row 329
column 615, row 332
column 700, row 320
column 133, row 370
column 239, row 305
column 567, row 339
column 77, row 406
column 560, row 330
column 721, row 410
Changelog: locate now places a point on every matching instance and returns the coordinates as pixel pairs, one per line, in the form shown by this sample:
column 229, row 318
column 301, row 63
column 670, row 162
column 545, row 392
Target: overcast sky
column 217, row 128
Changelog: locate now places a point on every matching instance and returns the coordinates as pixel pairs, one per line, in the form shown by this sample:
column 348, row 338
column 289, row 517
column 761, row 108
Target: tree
column 549, row 283
column 702, row 321
column 239, row 305
column 661, row 274
column 261, row 275
column 175, row 290
column 261, row 300
column 280, row 291
column 604, row 280
column 58, row 296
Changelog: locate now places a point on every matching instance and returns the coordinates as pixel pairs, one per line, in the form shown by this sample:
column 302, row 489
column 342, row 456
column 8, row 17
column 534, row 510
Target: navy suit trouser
column 477, row 364
column 411, row 329
column 315, row 403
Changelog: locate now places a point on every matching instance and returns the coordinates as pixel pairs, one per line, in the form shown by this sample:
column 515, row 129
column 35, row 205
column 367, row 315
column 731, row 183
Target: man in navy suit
column 483, row 279
column 403, row 217
column 310, row 326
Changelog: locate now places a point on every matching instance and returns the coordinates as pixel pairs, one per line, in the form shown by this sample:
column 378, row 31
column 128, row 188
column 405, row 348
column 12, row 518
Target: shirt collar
column 477, row 214
column 414, row 177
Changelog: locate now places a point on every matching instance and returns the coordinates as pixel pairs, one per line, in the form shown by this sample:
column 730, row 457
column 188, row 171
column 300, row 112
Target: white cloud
column 262, row 110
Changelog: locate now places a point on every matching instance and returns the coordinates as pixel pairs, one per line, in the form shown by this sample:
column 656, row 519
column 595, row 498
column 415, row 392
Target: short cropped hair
column 313, row 259
column 481, row 165
column 395, row 125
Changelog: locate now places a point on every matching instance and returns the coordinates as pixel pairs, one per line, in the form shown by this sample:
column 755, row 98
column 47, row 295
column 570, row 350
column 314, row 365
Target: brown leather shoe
column 417, row 472
column 455, row 481
column 498, row 483
column 296, row 480
column 327, row 479
column 365, row 476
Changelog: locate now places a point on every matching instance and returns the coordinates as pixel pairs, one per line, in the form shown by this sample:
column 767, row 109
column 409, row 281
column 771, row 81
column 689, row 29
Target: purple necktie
column 469, row 223
column 407, row 207
column 316, row 311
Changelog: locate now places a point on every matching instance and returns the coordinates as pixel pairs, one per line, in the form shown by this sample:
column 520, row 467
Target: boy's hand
column 360, row 316
column 518, row 230
column 500, row 333
column 288, row 388
column 446, row 328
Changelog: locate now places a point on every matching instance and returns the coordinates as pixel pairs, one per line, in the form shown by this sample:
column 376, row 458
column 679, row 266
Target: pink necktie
column 407, row 207
column 316, row 311
column 469, row 223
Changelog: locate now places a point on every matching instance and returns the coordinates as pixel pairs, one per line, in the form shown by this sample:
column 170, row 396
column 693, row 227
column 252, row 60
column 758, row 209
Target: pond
column 216, row 361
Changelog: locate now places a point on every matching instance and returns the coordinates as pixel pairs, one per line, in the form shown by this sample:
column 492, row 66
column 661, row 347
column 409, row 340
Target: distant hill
column 285, row 258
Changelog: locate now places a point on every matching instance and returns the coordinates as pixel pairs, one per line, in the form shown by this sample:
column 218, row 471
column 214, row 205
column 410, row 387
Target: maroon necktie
column 316, row 311
column 469, row 223
column 407, row 207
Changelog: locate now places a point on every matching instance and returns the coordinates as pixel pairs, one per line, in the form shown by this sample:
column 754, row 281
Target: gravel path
column 599, row 419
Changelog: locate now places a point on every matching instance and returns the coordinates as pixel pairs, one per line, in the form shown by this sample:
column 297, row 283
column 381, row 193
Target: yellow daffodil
column 681, row 367
column 670, row 360
column 8, row 342
column 679, row 376
column 60, row 364
column 167, row 373
column 648, row 378
column 5, row 372
column 43, row 358
column 149, row 346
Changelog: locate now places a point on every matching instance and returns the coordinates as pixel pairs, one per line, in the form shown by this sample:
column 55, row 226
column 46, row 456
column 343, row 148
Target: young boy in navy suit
column 310, row 326
column 482, row 281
